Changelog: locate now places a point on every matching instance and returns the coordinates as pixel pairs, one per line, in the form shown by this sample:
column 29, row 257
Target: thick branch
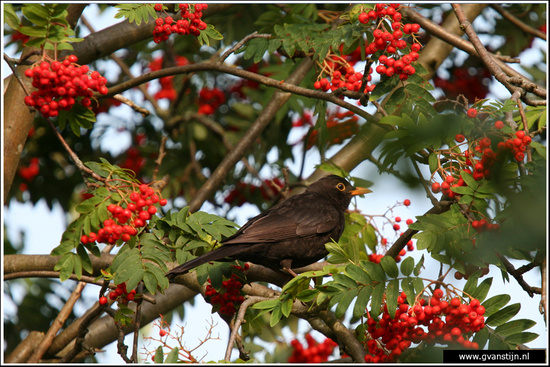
column 286, row 85
column 454, row 40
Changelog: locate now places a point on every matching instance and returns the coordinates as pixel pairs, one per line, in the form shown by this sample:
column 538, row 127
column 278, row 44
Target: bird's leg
column 286, row 265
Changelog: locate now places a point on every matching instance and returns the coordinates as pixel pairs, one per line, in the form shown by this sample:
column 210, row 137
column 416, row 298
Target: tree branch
column 248, row 139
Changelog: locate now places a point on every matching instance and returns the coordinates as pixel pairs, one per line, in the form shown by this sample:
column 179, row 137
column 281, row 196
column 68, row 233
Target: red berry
column 472, row 112
column 519, row 156
column 162, row 332
column 438, row 293
column 406, row 202
column 499, row 124
column 363, row 18
column 436, row 187
column 459, row 138
column 103, row 300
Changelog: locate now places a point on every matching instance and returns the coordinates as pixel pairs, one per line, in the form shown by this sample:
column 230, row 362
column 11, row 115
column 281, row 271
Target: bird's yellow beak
column 360, row 191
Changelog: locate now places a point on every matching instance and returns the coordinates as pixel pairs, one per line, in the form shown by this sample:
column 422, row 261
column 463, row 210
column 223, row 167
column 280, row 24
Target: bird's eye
column 341, row 187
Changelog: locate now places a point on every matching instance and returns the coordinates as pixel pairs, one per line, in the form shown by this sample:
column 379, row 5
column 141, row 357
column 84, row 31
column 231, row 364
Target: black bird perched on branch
column 290, row 234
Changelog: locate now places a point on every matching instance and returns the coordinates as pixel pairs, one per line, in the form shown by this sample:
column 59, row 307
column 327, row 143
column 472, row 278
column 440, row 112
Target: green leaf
column 482, row 289
column 362, row 300
column 345, row 281
column 407, row 266
column 36, row 13
column 344, row 303
column 159, row 355
column 150, row 282
column 307, row 295
column 338, row 255
column 419, row 265
column 521, row 338
column 266, row 305
column 408, row 288
column 471, row 283
column 385, row 86
column 276, row 315
column 34, row 31
column 495, row 303
column 374, row 271
column 376, row 300
column 500, row 317
column 390, row 266
column 65, row 266
column 357, row 274
column 286, row 307
column 10, row 17
column 85, row 260
column 392, row 293
column 514, row 327
column 172, row 357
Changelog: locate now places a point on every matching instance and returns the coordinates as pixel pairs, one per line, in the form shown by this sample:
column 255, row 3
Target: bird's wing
column 300, row 217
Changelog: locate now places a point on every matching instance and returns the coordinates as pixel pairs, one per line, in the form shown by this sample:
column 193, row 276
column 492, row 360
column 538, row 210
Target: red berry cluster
column 166, row 83
column 229, row 296
column 350, row 79
column 447, row 322
column 472, row 83
column 210, row 100
column 388, row 38
column 121, row 295
column 126, row 220
column 314, row 353
column 61, row 84
column 190, row 23
column 31, row 171
column 243, row 191
column 481, row 157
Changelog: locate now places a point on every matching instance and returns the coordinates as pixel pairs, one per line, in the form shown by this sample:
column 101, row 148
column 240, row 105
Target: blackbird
column 290, row 234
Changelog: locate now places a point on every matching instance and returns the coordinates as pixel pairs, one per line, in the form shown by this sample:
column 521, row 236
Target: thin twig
column 284, row 86
column 489, row 62
column 137, row 322
column 240, row 319
column 518, row 23
column 57, row 323
column 518, row 276
column 83, row 169
column 162, row 154
column 96, row 310
column 17, row 75
column 462, row 44
column 126, row 70
column 241, row 43
column 144, row 112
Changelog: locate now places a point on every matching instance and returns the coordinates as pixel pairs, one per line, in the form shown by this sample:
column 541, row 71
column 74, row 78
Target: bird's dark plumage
column 292, row 233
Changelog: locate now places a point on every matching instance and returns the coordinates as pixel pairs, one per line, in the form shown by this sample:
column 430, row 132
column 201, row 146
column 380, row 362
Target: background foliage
column 218, row 116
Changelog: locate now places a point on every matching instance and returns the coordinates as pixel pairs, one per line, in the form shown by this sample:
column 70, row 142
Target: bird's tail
column 218, row 254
